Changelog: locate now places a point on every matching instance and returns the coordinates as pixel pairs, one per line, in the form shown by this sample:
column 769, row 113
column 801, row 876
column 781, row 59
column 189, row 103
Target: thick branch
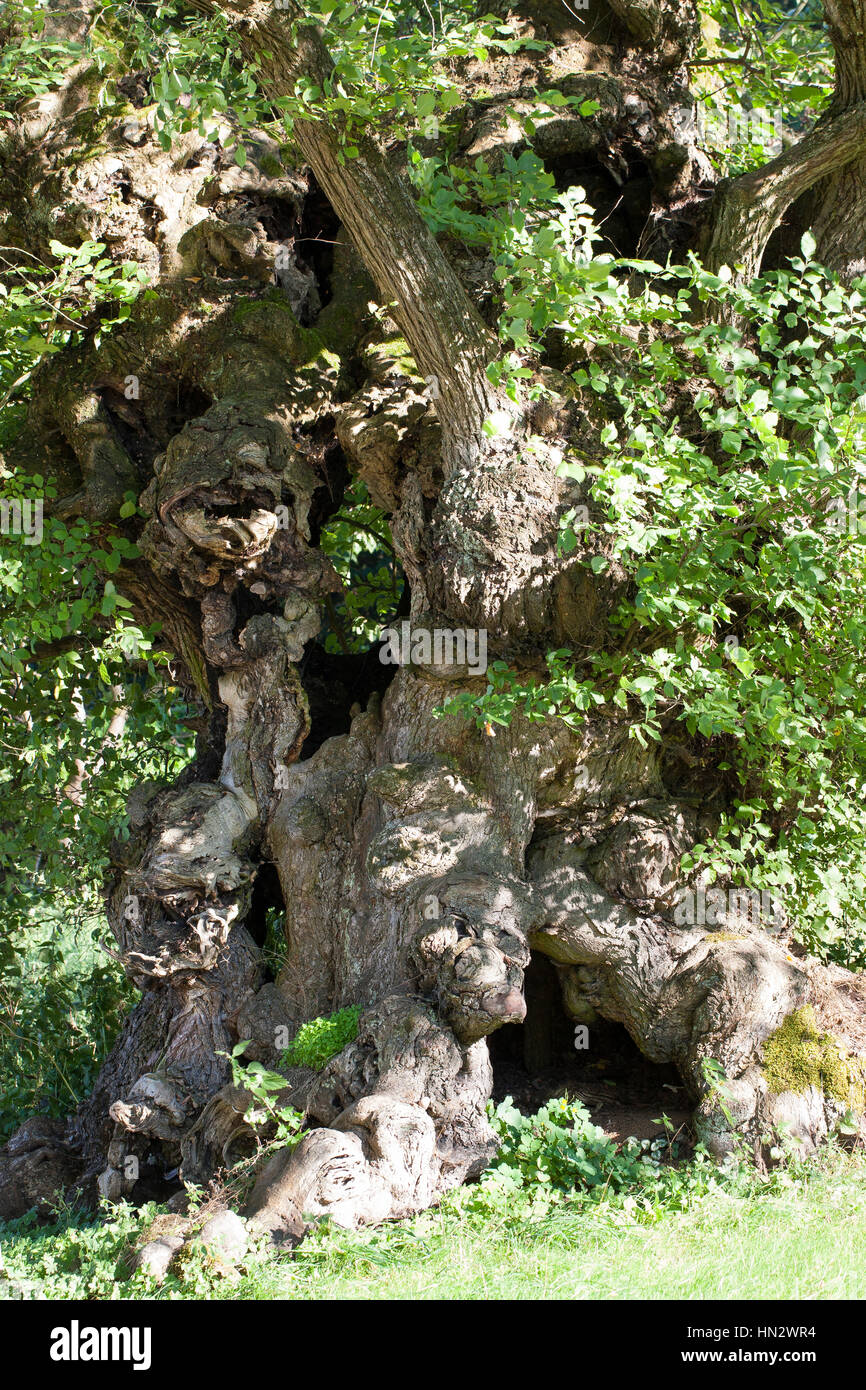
column 676, row 27
column 846, row 23
column 747, row 210
column 447, row 337
column 838, row 204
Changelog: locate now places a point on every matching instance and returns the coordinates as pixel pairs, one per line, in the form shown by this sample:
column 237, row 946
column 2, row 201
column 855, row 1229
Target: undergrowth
column 559, row 1185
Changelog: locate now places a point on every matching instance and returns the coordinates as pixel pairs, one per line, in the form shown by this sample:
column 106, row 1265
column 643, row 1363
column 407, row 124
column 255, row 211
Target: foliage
column 503, row 211
column 283, row 1122
column 744, row 618
column 397, row 69
column 45, row 307
column 70, row 1258
column 734, row 1233
column 564, row 696
column 85, row 711
column 62, row 1001
column 728, row 496
column 559, row 1150
column 393, row 66
column 540, row 240
column 765, row 69
column 729, row 501
column 357, row 541
column 321, row 1039
column 36, row 62
column 711, row 1234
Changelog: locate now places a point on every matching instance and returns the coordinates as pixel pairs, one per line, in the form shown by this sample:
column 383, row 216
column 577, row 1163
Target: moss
column 394, row 354
column 798, row 1055
column 272, row 319
column 91, row 130
column 321, row 1039
column 243, row 310
column 271, row 166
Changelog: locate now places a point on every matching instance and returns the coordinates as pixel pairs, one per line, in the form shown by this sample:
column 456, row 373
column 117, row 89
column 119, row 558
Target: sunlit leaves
column 358, row 543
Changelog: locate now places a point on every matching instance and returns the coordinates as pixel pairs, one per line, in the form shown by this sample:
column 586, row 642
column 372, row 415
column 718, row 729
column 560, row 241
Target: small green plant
column 716, row 1079
column 321, row 1039
column 275, row 948
column 283, row 1121
column 357, row 541
column 563, row 696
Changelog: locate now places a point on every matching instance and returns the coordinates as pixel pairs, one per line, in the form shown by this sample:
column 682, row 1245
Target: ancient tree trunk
column 420, row 860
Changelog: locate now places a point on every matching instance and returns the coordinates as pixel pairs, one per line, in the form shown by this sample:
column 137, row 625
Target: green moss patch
column 393, row 354
column 322, row 1038
column 798, row 1055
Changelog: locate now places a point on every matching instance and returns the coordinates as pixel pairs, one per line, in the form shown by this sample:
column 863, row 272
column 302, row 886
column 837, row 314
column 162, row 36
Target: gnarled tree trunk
column 421, row 860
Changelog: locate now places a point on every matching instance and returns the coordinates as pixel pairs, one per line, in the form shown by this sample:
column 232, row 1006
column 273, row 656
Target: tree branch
column 837, row 208
column 846, row 25
column 447, row 337
column 746, row 211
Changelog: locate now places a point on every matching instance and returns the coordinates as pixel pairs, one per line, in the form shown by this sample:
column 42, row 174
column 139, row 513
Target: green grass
column 799, row 1235
column 806, row 1243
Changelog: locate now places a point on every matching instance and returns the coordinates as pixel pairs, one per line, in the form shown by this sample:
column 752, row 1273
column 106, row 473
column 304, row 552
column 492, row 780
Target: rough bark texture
column 420, row 860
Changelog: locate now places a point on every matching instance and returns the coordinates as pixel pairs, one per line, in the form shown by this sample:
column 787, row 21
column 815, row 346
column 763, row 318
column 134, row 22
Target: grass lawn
column 805, row 1244
column 802, row 1238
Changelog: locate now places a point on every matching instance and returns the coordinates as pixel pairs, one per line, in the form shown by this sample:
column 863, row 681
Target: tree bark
column 449, row 341
column 839, row 214
column 420, row 860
